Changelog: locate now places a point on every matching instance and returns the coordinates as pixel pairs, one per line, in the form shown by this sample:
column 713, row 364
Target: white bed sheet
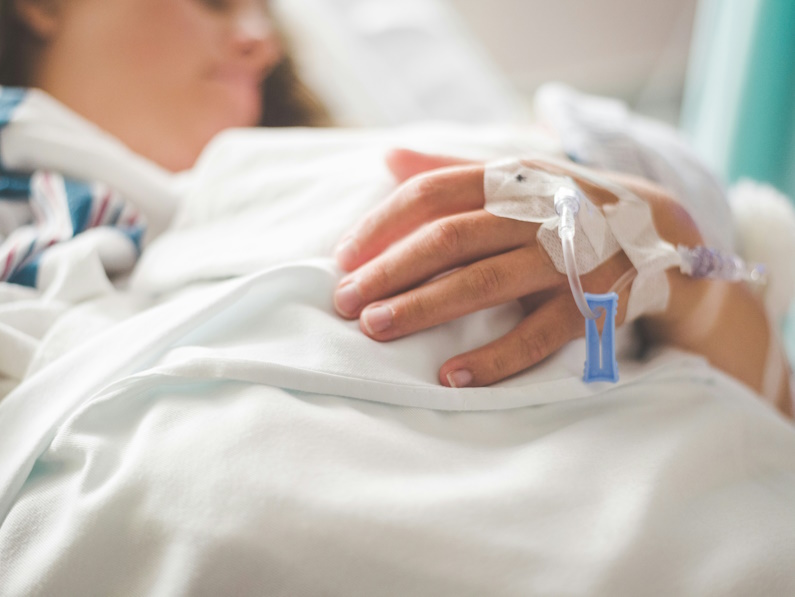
column 236, row 436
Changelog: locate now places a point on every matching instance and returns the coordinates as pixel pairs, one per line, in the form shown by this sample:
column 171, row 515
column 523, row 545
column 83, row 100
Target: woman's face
column 162, row 75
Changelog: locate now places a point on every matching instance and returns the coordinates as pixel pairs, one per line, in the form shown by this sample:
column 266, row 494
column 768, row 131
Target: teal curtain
column 739, row 106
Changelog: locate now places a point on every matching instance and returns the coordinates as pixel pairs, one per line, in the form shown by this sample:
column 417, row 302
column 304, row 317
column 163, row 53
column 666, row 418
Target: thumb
column 405, row 163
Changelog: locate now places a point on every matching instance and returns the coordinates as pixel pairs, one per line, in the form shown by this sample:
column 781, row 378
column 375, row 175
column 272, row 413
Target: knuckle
column 485, row 280
column 684, row 222
column 422, row 188
column 445, row 236
column 535, row 346
column 375, row 281
column 500, row 366
column 413, row 310
column 673, row 221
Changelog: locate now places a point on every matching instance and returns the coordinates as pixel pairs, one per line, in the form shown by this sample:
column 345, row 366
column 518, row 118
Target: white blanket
column 202, row 435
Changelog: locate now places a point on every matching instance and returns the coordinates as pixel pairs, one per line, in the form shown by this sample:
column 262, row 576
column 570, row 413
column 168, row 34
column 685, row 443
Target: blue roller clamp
column 600, row 352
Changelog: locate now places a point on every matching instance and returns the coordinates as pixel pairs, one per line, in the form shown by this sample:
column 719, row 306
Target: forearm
column 727, row 324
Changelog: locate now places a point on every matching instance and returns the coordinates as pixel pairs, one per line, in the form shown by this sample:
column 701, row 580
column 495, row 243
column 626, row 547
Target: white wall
column 636, row 49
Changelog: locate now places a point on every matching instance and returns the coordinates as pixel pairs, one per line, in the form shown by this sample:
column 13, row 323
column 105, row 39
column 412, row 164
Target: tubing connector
column 600, row 360
column 567, row 204
column 706, row 262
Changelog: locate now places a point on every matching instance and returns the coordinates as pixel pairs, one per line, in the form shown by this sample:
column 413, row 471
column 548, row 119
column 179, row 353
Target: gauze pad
column 515, row 191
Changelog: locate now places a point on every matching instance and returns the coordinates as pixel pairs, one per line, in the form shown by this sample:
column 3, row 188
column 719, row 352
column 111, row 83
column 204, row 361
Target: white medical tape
column 513, row 190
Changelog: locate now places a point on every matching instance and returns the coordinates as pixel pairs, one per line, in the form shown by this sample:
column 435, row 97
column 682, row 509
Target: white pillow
column 381, row 62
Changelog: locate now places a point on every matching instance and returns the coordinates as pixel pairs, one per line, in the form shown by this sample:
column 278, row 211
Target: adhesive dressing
column 516, row 191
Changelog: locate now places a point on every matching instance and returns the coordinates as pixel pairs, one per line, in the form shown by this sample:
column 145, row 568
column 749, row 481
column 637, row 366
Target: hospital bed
column 210, row 426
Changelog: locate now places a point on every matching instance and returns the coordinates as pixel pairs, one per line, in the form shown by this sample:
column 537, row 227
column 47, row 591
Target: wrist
column 723, row 321
column 692, row 313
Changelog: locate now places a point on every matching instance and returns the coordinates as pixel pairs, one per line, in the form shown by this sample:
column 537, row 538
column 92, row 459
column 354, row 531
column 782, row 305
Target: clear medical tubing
column 698, row 262
column 567, row 204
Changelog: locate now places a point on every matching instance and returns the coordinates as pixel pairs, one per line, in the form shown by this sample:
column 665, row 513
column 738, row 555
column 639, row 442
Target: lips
column 238, row 77
column 243, row 87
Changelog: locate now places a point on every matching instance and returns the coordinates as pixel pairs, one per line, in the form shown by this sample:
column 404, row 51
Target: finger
column 422, row 199
column 484, row 284
column 539, row 335
column 436, row 248
column 405, row 163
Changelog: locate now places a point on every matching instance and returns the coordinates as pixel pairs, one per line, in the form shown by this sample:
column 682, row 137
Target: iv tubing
column 625, row 280
column 567, row 204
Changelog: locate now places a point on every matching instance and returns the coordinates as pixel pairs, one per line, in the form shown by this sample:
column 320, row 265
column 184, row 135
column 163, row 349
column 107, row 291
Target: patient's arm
column 435, row 222
column 724, row 321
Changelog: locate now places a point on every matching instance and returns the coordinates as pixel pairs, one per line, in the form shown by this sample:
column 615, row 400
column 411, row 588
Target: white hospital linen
column 239, row 438
column 201, row 473
column 42, row 141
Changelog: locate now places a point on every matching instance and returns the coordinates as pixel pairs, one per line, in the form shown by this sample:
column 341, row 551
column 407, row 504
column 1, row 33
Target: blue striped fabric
column 27, row 274
column 79, row 199
column 60, row 208
column 12, row 186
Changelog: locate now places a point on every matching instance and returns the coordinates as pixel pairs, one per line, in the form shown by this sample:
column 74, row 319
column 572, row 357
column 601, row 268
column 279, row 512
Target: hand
column 434, row 223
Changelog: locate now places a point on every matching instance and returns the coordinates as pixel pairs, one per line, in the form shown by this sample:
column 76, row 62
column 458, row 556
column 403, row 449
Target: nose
column 255, row 37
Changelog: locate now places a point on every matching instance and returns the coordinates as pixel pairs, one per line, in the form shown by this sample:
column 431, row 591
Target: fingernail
column 377, row 319
column 460, row 378
column 347, row 251
column 347, row 299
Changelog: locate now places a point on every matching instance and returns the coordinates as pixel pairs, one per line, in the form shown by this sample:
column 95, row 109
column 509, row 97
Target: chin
column 240, row 109
column 196, row 131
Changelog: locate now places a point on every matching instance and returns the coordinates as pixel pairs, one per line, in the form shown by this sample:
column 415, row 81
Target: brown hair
column 16, row 43
column 287, row 101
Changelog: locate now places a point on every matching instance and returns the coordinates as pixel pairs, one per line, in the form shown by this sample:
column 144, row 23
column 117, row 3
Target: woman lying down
column 241, row 412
